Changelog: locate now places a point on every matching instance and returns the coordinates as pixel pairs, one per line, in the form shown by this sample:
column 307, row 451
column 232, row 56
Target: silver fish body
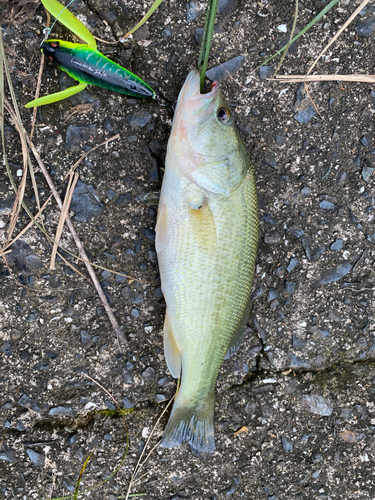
column 206, row 242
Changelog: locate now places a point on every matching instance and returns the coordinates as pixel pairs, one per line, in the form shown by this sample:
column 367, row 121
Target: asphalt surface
column 295, row 415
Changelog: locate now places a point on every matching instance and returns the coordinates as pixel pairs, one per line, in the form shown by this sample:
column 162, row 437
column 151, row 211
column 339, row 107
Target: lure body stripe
column 88, row 65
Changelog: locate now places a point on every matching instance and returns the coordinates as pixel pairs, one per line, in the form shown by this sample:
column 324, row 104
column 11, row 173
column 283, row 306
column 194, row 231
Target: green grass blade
column 149, row 13
column 80, row 476
column 207, row 38
column 331, row 4
column 69, row 20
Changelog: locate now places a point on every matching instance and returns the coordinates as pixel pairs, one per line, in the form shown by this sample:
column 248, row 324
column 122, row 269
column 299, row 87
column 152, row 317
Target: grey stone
column 127, row 403
column 226, row 6
column 79, row 136
column 297, row 363
column 365, row 28
column 134, row 313
column 7, row 205
column 221, row 71
column 266, row 72
column 23, row 257
column 287, row 444
column 86, row 339
column 28, row 403
column 149, row 374
column 61, row 411
column 337, row 245
column 272, row 294
column 318, row 251
column 37, row 459
column 334, row 274
column 139, row 119
column 306, row 246
column 292, row 264
column 193, row 10
column 327, row 205
column 290, row 287
column 305, row 191
column 280, row 141
column 317, row 405
column 272, row 237
column 7, row 456
column 367, row 173
column 85, row 203
column 364, row 140
column 305, row 115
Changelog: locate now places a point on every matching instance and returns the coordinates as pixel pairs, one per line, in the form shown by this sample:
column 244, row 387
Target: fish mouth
column 191, row 97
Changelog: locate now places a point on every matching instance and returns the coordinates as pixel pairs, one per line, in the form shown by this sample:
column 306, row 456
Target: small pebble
column 337, row 245
column 149, row 374
column 366, row 27
column 135, row 313
column 61, row 411
column 272, row 294
column 221, row 71
column 327, row 205
column 292, row 264
column 86, row 339
column 266, row 72
column 37, row 459
column 287, row 444
column 305, row 115
column 317, row 405
column 272, row 237
column 334, row 274
column 367, row 173
column 290, row 287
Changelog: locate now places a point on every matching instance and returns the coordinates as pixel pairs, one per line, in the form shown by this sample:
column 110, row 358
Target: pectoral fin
column 58, row 96
column 171, row 350
column 203, row 227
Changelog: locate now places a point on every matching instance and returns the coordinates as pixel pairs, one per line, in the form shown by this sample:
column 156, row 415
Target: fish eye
column 54, row 44
column 224, row 115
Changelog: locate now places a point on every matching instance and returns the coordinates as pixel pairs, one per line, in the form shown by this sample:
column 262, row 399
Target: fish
column 206, row 242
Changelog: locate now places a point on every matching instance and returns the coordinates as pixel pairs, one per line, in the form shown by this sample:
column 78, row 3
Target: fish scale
column 206, row 241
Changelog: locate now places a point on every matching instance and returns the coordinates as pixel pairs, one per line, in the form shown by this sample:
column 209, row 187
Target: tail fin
column 193, row 423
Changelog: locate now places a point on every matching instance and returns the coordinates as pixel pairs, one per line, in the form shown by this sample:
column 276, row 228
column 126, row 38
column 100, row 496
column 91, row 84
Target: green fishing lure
column 85, row 63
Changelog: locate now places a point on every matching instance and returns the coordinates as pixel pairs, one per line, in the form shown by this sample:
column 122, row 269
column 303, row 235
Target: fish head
column 204, row 138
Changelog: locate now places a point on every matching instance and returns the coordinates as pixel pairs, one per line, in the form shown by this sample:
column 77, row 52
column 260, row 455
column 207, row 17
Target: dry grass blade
column 64, row 212
column 119, row 333
column 139, row 465
column 80, row 108
column 333, row 39
column 326, row 78
column 17, row 203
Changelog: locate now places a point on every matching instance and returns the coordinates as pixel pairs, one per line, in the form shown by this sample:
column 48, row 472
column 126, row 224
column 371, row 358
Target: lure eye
column 224, row 115
column 54, row 44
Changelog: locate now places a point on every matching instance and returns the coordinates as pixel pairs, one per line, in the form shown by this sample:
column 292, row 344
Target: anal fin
column 171, row 350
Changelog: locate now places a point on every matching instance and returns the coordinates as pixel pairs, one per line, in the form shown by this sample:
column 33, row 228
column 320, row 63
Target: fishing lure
column 85, row 63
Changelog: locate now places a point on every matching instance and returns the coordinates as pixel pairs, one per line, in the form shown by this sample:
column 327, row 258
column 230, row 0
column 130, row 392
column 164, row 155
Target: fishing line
column 47, row 31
